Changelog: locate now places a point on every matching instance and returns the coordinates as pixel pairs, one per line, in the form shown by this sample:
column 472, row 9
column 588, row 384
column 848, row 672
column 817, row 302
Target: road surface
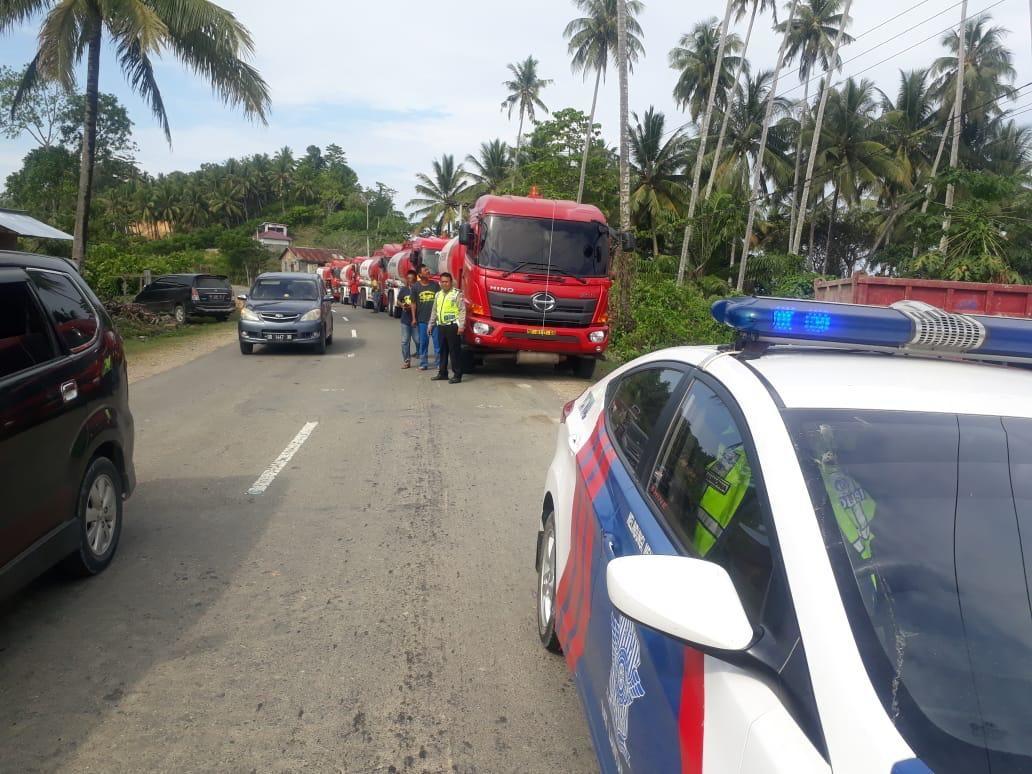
column 370, row 610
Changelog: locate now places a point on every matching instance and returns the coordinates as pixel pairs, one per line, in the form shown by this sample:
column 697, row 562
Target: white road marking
column 266, row 478
column 351, row 354
column 354, row 333
column 345, row 319
column 523, row 386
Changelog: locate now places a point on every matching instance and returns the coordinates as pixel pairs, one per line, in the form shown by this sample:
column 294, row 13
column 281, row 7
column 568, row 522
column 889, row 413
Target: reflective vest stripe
column 448, row 307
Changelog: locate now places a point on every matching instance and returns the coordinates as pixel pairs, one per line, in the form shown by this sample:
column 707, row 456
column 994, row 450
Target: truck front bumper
column 484, row 335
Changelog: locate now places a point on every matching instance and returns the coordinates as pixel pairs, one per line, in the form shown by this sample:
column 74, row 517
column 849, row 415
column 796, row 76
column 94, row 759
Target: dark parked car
column 186, row 295
column 66, row 432
column 286, row 308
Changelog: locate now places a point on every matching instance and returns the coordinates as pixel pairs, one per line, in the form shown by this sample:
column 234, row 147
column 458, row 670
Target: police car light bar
column 906, row 326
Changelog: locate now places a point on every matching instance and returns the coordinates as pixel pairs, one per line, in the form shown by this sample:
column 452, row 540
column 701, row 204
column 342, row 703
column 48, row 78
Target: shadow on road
column 71, row 651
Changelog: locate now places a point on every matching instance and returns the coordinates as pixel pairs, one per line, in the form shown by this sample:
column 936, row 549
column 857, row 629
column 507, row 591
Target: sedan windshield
column 928, row 520
column 537, row 244
column 284, row 289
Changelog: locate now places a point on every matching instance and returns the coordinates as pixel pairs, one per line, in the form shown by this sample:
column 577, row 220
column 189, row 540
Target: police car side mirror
column 689, row 599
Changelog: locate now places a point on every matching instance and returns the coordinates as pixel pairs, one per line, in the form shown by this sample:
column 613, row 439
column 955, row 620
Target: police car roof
column 809, row 377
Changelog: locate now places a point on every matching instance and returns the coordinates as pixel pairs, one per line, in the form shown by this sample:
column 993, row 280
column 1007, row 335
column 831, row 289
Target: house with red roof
column 307, row 259
column 273, row 237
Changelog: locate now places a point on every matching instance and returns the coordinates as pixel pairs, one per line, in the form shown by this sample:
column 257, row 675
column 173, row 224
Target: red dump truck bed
column 964, row 297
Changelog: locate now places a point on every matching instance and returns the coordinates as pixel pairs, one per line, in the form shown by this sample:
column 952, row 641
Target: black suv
column 66, row 433
column 185, row 295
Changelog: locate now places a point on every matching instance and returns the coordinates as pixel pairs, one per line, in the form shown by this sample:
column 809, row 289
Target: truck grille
column 520, row 309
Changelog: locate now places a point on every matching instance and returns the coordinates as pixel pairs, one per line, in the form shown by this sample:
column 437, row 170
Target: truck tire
column 469, row 361
column 584, row 367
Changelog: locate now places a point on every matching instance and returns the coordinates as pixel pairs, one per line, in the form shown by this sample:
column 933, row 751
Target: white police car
column 801, row 558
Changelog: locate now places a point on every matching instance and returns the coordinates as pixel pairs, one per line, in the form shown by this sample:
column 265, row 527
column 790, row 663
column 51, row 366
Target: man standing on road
column 425, row 290
column 409, row 326
column 450, row 314
column 353, row 285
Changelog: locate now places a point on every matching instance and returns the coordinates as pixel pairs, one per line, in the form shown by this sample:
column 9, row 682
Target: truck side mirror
column 628, row 242
column 465, row 235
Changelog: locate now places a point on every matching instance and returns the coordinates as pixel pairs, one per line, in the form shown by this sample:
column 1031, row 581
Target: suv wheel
column 547, row 585
column 100, row 518
column 320, row 348
column 246, row 348
column 180, row 314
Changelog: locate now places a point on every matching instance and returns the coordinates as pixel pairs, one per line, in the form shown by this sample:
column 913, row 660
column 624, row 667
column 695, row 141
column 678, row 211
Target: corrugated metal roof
column 315, row 255
column 23, row 224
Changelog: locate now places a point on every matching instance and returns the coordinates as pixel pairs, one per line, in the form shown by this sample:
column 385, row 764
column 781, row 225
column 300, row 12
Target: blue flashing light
column 912, row 766
column 908, row 326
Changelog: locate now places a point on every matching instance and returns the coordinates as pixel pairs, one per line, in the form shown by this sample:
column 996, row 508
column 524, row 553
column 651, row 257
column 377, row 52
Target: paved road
column 372, row 611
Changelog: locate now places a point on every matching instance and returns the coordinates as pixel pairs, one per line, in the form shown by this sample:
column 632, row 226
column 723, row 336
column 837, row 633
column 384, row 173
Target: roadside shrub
column 666, row 315
column 106, row 265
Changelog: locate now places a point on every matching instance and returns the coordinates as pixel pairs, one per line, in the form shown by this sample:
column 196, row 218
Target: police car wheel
column 547, row 584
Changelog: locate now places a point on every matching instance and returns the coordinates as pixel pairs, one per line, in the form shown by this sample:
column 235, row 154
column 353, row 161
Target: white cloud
column 349, row 72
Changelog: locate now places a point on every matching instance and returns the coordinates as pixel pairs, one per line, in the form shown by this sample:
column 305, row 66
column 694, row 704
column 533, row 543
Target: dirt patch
column 166, row 354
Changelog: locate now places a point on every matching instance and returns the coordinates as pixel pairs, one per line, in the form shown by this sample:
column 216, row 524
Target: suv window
column 636, row 407
column 704, row 486
column 74, row 316
column 24, row 341
column 212, row 282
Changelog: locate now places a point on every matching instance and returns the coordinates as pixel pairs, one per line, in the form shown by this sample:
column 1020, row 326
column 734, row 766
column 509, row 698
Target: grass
column 139, row 340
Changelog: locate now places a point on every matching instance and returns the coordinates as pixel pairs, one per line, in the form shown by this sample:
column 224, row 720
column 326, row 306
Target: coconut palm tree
column 659, row 183
column 841, row 21
column 624, row 263
column 812, row 37
column 757, row 174
column 695, row 58
column 490, row 167
column 740, row 8
column 525, row 94
column 592, row 44
column 204, row 36
column 440, row 195
column 958, row 122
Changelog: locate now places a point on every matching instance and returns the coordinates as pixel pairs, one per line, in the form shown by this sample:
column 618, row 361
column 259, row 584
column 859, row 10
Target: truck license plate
column 541, row 331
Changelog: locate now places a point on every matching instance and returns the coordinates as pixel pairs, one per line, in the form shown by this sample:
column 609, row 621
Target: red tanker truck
column 534, row 275
column 373, row 277
column 417, row 252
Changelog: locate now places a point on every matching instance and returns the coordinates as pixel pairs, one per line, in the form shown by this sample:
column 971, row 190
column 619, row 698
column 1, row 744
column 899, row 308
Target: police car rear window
column 928, row 519
column 636, row 406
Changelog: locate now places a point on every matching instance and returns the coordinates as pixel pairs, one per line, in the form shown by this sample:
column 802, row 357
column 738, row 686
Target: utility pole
column 758, row 169
column 368, row 249
column 958, row 103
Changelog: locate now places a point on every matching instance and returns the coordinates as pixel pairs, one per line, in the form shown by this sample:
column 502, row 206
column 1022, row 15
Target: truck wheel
column 99, row 512
column 584, row 367
column 469, row 361
column 547, row 585
column 245, row 348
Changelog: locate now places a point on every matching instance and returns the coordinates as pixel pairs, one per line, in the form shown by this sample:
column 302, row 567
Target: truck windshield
column 431, row 259
column 928, row 521
column 526, row 244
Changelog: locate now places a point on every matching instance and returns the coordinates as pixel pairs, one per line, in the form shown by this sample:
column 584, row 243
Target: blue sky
column 399, row 82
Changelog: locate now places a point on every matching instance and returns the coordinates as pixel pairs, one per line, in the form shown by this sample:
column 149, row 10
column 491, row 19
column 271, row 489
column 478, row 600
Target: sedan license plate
column 541, row 331
column 279, row 336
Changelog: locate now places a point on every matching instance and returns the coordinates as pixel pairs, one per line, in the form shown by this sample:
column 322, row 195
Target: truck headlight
column 248, row 314
column 315, row 314
column 481, row 329
column 597, row 337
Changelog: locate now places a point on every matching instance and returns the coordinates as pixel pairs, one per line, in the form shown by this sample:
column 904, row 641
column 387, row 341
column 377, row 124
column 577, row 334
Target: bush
column 106, row 265
column 666, row 315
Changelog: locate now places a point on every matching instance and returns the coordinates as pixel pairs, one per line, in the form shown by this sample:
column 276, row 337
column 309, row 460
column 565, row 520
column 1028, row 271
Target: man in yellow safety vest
column 727, row 481
column 450, row 314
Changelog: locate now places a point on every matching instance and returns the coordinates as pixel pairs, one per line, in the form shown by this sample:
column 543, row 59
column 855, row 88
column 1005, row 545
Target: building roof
column 22, row 224
column 275, row 236
column 524, row 206
column 318, row 255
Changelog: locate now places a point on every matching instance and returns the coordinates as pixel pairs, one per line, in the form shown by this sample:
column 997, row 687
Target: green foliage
column 107, row 265
column 46, row 186
column 780, row 274
column 666, row 315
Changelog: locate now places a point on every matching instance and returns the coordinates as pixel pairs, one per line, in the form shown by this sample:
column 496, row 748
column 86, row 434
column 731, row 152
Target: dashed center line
column 266, row 478
column 354, row 333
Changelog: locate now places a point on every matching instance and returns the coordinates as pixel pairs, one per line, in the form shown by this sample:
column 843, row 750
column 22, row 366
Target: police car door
column 705, row 496
column 637, row 412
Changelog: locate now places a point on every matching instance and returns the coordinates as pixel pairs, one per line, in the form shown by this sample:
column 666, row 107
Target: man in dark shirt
column 409, row 326
column 425, row 291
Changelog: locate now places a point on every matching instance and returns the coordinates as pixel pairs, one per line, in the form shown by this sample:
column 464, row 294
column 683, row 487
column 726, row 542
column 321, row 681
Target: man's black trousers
column 451, row 350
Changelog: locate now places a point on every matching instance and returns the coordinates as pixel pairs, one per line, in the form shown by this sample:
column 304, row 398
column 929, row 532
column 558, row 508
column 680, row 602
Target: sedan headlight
column 315, row 314
column 481, row 329
column 249, row 315
column 597, row 337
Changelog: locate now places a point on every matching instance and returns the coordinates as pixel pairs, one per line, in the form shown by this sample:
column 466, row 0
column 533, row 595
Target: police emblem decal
column 624, row 682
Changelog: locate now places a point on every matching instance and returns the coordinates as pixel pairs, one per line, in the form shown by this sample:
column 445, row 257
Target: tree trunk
column 813, row 230
column 703, row 138
column 723, row 123
column 587, row 138
column 831, row 226
column 519, row 144
column 624, row 261
column 932, row 174
column 818, row 125
column 758, row 171
column 89, row 143
column 655, row 244
column 958, row 105
column 798, row 163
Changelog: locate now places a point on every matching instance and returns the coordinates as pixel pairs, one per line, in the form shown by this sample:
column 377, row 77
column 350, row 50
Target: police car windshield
column 928, row 521
column 576, row 248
